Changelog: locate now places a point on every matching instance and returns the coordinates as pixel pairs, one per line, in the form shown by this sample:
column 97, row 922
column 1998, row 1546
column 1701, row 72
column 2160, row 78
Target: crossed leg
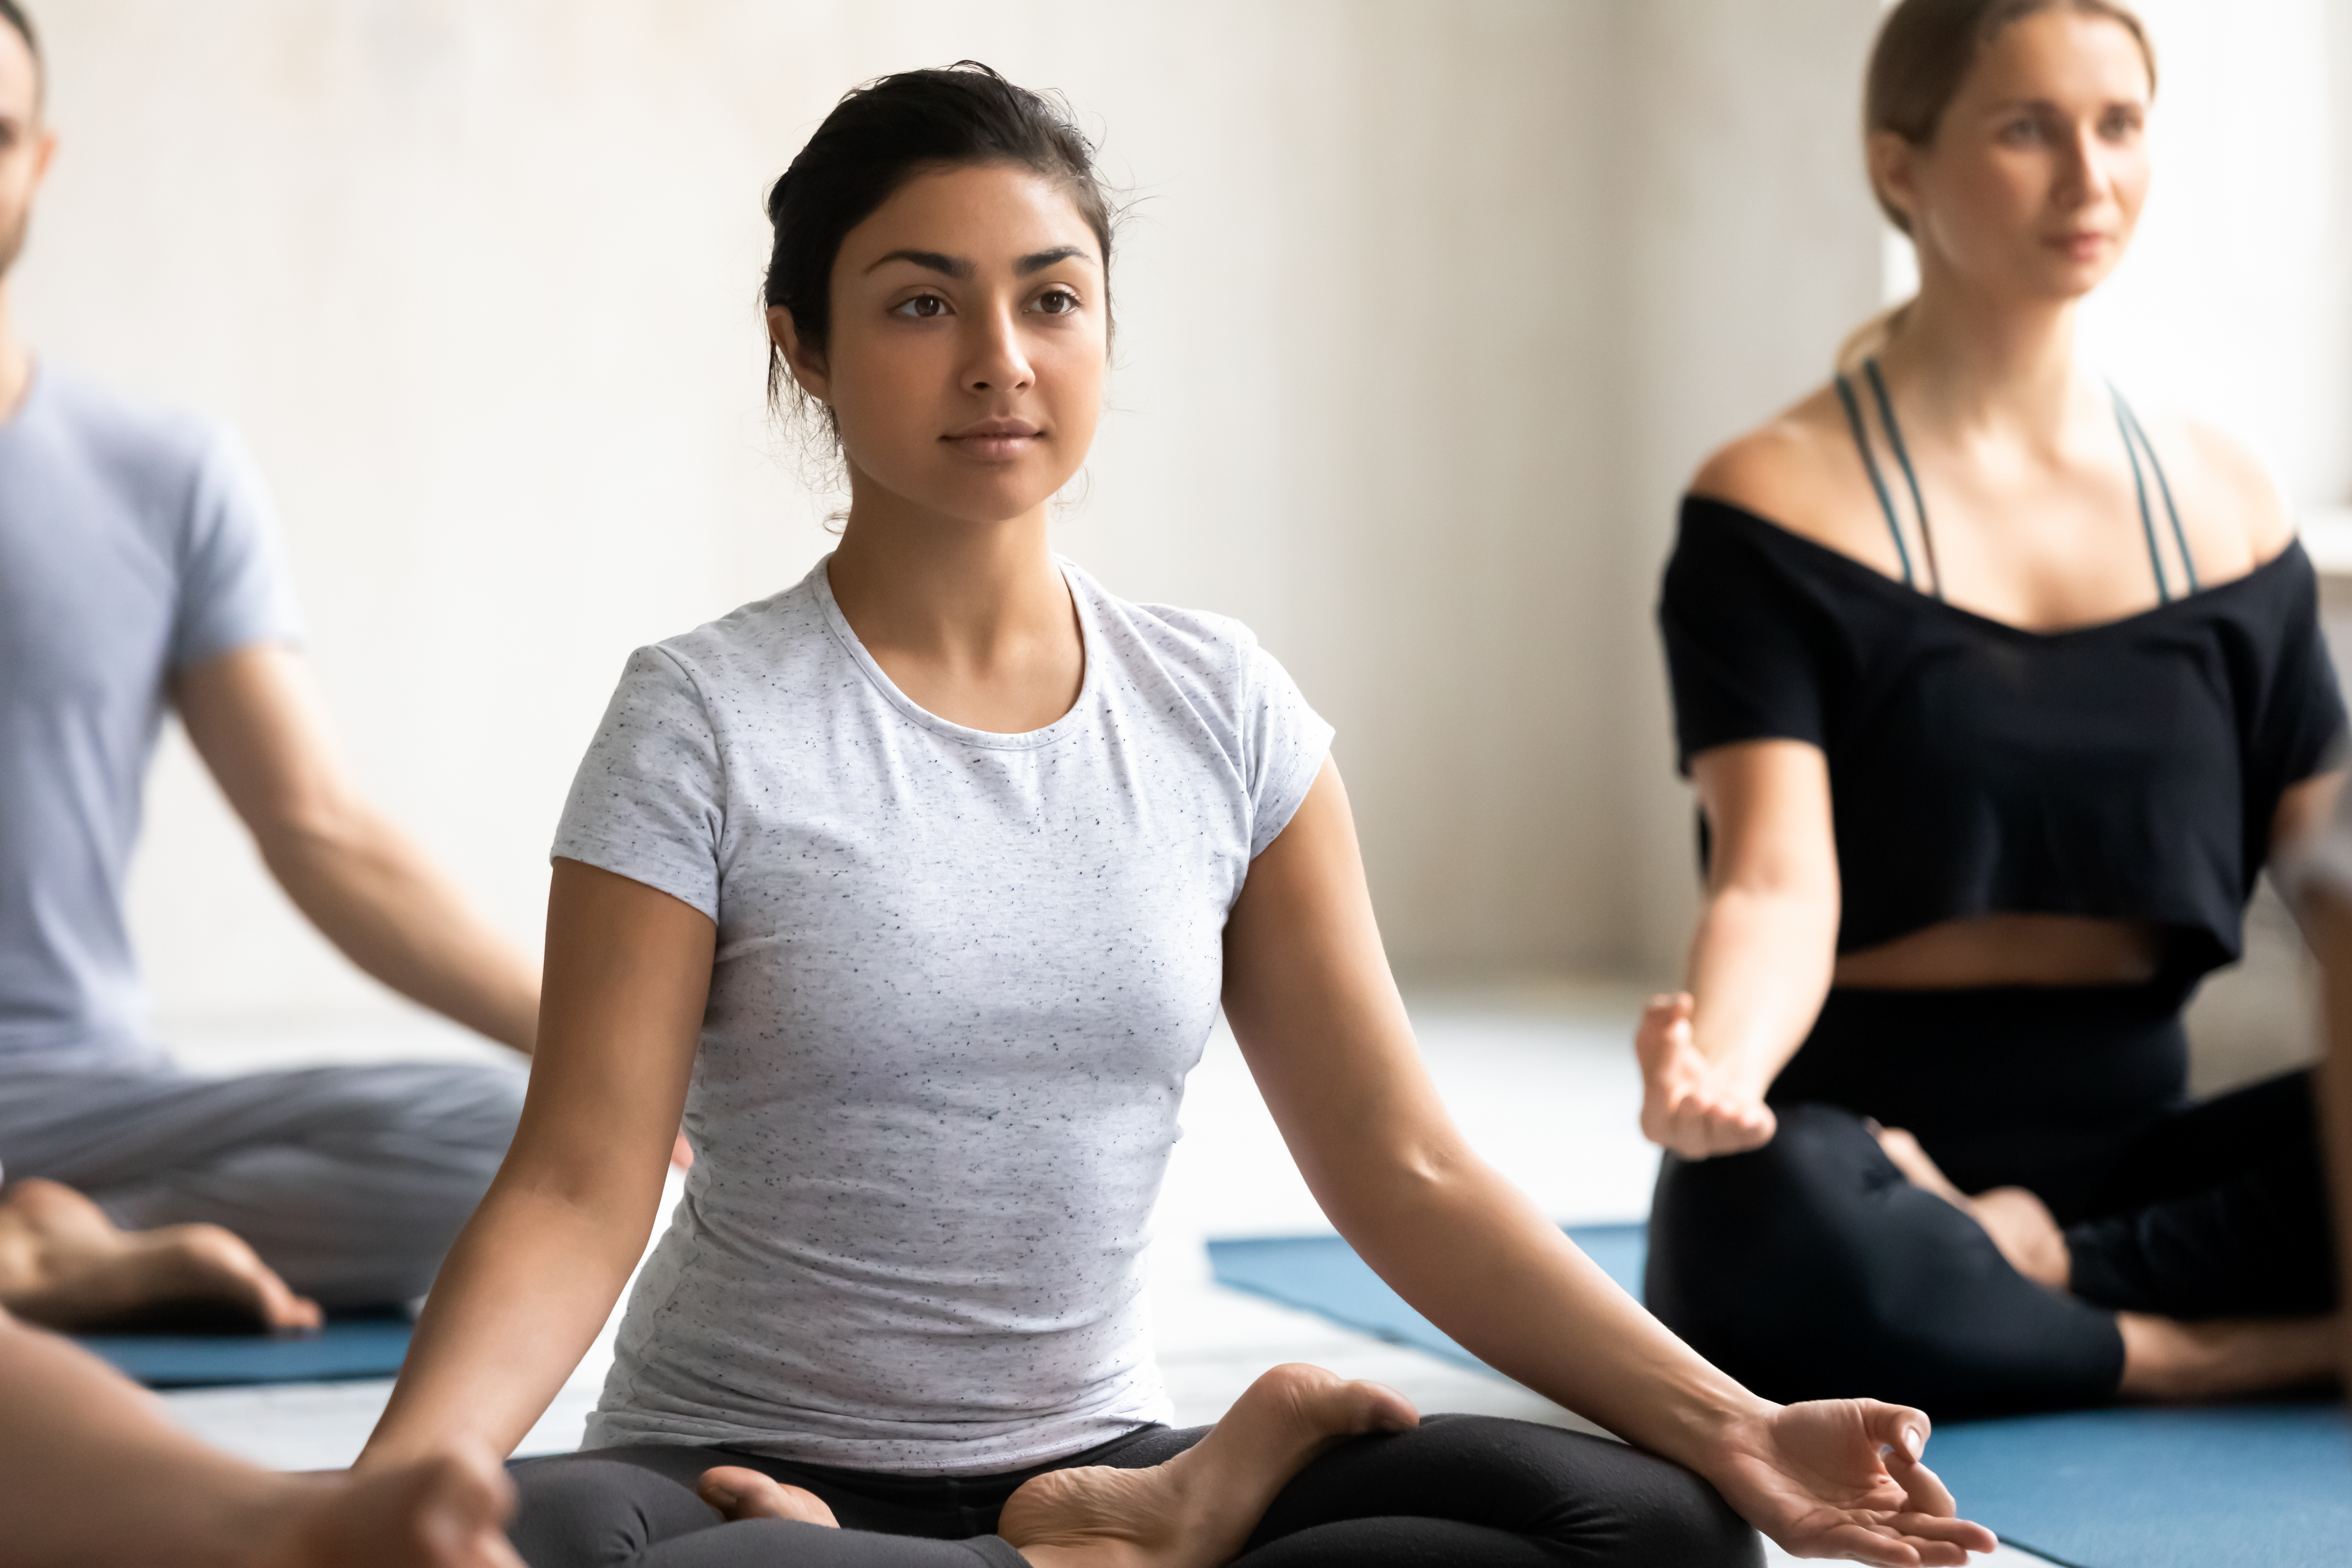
column 1195, row 1512
column 2164, row 1358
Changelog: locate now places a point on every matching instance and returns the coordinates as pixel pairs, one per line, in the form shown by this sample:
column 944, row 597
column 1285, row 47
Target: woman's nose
column 996, row 362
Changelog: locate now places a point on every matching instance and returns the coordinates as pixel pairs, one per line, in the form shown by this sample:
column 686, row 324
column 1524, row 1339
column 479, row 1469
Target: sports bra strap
column 2136, row 444
column 1910, row 475
column 1877, row 480
column 2136, row 441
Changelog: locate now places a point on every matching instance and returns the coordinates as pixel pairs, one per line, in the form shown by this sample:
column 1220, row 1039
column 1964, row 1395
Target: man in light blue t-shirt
column 138, row 568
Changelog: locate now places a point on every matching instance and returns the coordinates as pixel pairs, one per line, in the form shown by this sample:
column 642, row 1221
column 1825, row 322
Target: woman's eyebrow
column 1044, row 258
column 953, row 266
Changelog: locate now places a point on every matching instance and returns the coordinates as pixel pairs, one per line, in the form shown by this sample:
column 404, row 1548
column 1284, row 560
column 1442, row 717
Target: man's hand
column 1842, row 1478
column 1690, row 1104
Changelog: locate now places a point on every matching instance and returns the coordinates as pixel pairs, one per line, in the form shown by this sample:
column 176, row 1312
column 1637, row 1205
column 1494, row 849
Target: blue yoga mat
column 345, row 1349
column 2248, row 1486
column 1323, row 1274
column 2257, row 1485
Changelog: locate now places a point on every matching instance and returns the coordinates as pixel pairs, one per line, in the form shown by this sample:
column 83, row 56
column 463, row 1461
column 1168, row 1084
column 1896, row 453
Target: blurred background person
column 1985, row 796
column 140, row 570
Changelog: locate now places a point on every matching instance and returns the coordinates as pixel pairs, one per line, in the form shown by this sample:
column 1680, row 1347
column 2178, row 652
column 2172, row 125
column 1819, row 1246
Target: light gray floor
column 1542, row 1082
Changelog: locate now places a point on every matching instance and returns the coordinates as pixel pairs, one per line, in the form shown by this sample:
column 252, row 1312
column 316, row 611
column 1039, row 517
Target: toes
column 217, row 1262
column 1327, row 1405
column 742, row 1493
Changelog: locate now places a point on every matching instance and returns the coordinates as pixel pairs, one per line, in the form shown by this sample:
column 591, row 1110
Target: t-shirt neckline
column 1090, row 650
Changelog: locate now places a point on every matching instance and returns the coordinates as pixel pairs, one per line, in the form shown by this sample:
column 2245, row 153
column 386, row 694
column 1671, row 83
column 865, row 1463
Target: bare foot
column 1198, row 1510
column 2019, row 1224
column 448, row 1511
column 2165, row 1358
column 64, row 1264
column 741, row 1493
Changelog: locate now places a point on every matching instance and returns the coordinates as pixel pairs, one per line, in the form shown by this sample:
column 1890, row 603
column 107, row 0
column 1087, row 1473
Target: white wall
column 1749, row 248
column 477, row 281
column 1426, row 313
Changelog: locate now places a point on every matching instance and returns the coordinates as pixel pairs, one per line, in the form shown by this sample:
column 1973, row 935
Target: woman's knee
column 1569, row 1496
column 1631, row 1507
column 579, row 1511
column 1789, row 1214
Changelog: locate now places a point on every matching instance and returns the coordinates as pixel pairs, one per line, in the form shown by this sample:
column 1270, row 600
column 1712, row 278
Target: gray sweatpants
column 350, row 1182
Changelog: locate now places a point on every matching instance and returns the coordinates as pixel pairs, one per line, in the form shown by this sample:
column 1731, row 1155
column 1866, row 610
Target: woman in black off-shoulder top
column 1998, row 701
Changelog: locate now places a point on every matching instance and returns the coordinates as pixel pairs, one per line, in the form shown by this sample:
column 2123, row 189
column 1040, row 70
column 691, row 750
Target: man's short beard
column 12, row 239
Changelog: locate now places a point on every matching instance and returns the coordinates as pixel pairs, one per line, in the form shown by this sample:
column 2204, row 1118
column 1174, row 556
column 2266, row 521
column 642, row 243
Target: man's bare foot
column 448, row 1511
column 2167, row 1359
column 64, row 1264
column 1198, row 1510
column 742, row 1493
column 2019, row 1224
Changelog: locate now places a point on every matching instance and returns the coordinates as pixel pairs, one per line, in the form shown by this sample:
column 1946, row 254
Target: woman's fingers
column 1900, row 1431
column 1924, row 1527
column 1735, row 1126
column 1862, row 1543
column 1697, row 1125
column 1925, row 1489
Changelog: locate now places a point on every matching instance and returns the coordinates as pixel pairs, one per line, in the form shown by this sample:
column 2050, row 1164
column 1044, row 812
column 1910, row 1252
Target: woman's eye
column 922, row 308
column 1056, row 302
column 2021, row 131
column 2120, row 126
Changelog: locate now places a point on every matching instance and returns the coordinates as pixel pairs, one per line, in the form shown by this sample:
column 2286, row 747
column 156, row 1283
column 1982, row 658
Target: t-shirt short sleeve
column 648, row 803
column 233, row 590
column 1284, row 743
column 1741, row 654
column 2300, row 731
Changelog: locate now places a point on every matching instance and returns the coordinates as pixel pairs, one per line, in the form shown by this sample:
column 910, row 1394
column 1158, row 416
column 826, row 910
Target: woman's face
column 969, row 343
column 2034, row 182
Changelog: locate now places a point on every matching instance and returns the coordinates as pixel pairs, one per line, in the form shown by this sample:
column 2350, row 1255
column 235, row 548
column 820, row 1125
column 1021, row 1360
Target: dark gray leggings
column 1459, row 1490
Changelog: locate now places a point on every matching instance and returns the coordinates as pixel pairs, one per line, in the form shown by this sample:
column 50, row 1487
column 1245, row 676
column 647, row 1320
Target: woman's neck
column 1975, row 366
column 972, row 620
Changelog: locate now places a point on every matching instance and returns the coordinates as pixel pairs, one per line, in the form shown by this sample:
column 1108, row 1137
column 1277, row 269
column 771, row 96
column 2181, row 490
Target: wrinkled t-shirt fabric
column 134, row 543
column 959, row 978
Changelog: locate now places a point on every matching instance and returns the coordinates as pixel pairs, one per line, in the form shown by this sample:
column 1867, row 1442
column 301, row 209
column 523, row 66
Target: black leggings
column 1811, row 1268
column 1457, row 1490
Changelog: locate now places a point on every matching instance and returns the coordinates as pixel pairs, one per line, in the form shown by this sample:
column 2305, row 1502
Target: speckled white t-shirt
column 959, row 979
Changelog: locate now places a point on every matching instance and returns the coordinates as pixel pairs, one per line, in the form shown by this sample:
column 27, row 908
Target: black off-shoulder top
column 2129, row 770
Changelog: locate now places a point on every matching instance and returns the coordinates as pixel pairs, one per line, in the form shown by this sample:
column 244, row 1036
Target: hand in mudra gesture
column 1690, row 1104
column 1842, row 1478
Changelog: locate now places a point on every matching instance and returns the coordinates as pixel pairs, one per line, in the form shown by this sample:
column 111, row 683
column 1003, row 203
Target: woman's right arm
column 1760, row 963
column 537, row 1269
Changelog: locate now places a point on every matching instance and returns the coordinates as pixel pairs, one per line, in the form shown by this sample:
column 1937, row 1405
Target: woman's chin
column 987, row 497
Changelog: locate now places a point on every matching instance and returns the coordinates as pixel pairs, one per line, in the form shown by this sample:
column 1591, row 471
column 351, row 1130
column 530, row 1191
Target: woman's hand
column 1690, row 1104
column 1842, row 1478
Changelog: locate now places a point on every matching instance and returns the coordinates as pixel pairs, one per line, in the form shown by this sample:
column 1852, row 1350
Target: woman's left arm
column 1309, row 995
column 2304, row 812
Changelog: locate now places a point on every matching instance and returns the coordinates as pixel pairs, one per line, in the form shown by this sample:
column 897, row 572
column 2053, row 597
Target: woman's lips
column 2083, row 246
column 996, row 441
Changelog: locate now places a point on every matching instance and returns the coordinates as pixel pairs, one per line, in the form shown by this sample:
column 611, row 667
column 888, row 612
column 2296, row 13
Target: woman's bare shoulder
column 1801, row 470
column 2251, row 497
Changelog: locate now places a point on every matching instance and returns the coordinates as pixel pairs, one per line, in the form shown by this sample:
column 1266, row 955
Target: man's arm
column 359, row 880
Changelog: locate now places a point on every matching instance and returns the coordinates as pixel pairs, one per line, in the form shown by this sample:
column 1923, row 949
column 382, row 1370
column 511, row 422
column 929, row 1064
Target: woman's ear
column 806, row 364
column 1893, row 174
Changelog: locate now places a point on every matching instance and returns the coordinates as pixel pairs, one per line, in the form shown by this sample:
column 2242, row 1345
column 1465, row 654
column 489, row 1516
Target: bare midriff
column 2008, row 950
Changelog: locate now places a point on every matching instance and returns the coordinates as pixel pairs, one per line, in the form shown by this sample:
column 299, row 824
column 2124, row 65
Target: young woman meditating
column 1998, row 697
column 918, row 886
